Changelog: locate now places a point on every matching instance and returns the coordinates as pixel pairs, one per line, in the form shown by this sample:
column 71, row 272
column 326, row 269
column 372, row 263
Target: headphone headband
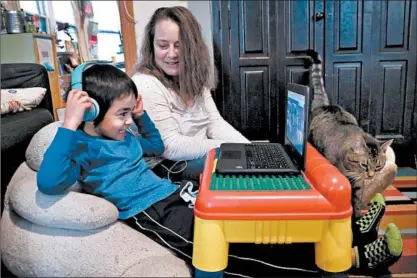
column 77, row 75
column 77, row 83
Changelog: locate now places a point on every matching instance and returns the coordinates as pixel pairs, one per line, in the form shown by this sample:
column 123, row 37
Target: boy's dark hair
column 105, row 83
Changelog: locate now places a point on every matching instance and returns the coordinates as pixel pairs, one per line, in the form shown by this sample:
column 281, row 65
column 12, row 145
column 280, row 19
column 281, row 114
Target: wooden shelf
column 54, row 79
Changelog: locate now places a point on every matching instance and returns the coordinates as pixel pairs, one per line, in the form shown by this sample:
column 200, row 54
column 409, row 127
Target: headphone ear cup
column 91, row 114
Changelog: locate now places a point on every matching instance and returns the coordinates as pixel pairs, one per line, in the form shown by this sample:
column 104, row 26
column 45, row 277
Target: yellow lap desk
column 312, row 208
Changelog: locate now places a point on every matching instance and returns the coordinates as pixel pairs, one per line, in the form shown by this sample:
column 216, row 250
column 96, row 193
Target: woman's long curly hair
column 195, row 68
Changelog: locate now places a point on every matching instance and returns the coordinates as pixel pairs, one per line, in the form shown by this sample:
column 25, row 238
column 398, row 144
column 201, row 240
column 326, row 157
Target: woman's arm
column 177, row 145
column 149, row 136
column 218, row 128
column 58, row 170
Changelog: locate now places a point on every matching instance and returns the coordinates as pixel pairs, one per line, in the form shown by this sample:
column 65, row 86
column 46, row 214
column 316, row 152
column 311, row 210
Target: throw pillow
column 9, row 103
column 17, row 100
column 29, row 97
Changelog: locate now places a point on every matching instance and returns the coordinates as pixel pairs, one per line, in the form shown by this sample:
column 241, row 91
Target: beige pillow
column 9, row 103
column 28, row 97
column 69, row 210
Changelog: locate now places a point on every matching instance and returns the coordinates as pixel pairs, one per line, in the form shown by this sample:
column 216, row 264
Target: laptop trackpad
column 231, row 155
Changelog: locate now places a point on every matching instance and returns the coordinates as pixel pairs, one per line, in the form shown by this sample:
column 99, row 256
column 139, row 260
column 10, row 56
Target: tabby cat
column 336, row 134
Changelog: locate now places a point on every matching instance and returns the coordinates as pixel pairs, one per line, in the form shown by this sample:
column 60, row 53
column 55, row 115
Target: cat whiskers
column 354, row 177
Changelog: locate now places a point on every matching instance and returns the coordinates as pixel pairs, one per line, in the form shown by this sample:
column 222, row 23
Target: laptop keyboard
column 259, row 156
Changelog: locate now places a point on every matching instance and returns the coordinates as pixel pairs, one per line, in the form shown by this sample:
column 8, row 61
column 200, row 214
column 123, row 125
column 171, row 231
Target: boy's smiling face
column 118, row 118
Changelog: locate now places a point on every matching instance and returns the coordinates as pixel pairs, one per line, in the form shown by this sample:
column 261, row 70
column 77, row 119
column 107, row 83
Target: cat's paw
column 389, row 172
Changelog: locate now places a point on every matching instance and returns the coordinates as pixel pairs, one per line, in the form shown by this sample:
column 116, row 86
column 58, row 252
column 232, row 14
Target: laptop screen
column 294, row 130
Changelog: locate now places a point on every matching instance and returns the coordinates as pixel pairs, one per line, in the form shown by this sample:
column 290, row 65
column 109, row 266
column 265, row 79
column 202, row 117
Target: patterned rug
column 401, row 198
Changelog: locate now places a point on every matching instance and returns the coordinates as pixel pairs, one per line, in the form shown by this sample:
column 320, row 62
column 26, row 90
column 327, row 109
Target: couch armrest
column 71, row 210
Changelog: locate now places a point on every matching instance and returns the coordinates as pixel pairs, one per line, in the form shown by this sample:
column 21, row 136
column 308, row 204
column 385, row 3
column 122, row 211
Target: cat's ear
column 359, row 145
column 385, row 145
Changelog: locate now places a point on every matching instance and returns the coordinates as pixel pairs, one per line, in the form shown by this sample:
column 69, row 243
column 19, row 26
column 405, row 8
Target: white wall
column 201, row 10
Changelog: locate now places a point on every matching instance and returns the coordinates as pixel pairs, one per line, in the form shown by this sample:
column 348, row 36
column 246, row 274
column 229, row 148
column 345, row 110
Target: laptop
column 273, row 158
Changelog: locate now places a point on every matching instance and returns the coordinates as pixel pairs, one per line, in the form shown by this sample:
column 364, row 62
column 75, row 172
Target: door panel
column 255, row 99
column 253, row 29
column 348, row 26
column 347, row 83
column 299, row 24
column 347, row 59
column 253, row 68
column 392, row 90
column 394, row 25
column 393, row 62
column 296, row 28
column 296, row 74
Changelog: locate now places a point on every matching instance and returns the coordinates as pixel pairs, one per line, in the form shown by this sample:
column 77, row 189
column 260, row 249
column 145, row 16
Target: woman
column 175, row 76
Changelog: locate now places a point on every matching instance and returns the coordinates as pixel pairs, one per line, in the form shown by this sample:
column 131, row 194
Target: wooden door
column 253, row 67
column 393, row 67
column 244, row 41
column 369, row 50
column 253, row 45
column 298, row 29
column 348, row 56
column 370, row 63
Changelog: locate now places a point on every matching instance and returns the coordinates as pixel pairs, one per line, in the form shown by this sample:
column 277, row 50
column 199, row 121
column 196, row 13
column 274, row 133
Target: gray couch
column 17, row 129
column 73, row 234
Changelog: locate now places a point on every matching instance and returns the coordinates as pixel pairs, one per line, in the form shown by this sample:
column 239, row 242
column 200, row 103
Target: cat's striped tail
column 316, row 71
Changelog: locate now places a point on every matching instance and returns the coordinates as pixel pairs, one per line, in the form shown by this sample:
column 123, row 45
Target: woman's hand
column 138, row 110
column 77, row 102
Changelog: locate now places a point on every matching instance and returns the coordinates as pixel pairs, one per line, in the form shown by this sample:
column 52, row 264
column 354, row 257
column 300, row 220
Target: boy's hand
column 138, row 110
column 77, row 102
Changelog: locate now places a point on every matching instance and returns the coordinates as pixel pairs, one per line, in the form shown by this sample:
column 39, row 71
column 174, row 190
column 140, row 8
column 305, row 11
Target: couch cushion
column 39, row 144
column 21, row 126
column 71, row 210
column 30, row 250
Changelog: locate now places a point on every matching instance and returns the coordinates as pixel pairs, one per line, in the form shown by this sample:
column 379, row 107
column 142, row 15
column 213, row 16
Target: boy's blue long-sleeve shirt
column 113, row 170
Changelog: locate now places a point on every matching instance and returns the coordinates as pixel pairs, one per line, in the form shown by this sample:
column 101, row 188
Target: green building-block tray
column 258, row 183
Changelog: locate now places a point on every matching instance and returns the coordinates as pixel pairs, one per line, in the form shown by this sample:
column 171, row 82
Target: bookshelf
column 35, row 48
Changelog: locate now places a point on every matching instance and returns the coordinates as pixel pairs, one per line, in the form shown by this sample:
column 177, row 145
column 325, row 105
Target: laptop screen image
column 295, row 121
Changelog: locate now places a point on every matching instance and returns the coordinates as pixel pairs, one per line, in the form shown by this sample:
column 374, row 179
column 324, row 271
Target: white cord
column 128, row 14
column 240, row 258
column 179, row 251
column 170, row 170
column 274, row 266
column 188, row 195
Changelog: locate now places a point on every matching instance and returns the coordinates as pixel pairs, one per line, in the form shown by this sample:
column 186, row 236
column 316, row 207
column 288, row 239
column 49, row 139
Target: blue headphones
column 77, row 83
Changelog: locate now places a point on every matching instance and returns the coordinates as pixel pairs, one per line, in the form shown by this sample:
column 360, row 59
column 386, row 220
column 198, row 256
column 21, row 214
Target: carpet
column 401, row 199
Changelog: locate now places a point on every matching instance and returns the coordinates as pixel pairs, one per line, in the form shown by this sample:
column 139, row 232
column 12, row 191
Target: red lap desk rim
column 328, row 198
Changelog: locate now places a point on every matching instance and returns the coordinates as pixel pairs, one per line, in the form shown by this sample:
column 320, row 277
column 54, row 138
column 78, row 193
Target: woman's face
column 166, row 45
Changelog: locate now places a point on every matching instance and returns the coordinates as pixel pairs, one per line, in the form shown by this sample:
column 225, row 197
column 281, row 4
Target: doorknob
column 318, row 16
